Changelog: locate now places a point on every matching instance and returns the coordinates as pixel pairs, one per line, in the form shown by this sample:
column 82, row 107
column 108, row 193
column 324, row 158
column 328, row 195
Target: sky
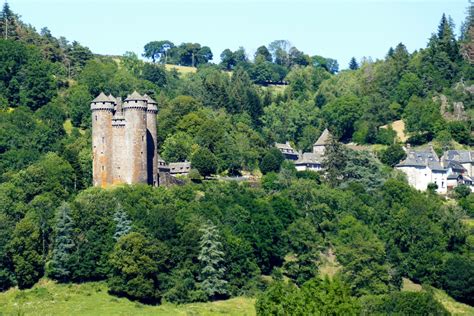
column 336, row 29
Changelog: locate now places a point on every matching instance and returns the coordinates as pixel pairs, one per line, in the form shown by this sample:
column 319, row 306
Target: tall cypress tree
column 59, row 267
column 335, row 161
column 211, row 257
column 123, row 223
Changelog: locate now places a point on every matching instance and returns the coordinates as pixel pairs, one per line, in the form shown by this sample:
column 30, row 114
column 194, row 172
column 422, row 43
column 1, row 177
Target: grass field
column 49, row 298
column 182, row 70
column 399, row 128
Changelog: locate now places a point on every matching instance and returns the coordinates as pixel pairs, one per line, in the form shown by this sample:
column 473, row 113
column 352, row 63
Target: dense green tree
column 458, row 279
column 271, row 161
column 204, row 161
column 264, row 53
column 392, row 155
column 422, row 116
column 342, row 114
column 136, row 262
column 157, row 50
column 25, row 249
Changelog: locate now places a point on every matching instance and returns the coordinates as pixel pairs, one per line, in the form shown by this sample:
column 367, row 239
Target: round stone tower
column 119, row 150
column 135, row 157
column 152, row 160
column 102, row 109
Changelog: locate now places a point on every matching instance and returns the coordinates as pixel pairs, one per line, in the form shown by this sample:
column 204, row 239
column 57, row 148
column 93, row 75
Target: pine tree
column 8, row 24
column 211, row 257
column 123, row 223
column 59, row 267
column 353, row 65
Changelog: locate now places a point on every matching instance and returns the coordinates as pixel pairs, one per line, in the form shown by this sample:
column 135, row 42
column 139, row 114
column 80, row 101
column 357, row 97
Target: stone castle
column 124, row 147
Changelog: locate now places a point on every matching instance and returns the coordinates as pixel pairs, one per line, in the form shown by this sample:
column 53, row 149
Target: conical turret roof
column 112, row 98
column 149, row 99
column 323, row 139
column 101, row 98
column 135, row 96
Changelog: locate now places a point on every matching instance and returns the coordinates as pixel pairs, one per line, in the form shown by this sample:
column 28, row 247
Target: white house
column 423, row 167
column 309, row 161
column 460, row 168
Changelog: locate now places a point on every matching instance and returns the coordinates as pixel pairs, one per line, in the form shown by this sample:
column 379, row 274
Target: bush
column 458, row 278
column 272, row 161
column 402, row 303
column 204, row 161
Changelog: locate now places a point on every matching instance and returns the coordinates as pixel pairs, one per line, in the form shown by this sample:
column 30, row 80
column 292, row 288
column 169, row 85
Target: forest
column 270, row 238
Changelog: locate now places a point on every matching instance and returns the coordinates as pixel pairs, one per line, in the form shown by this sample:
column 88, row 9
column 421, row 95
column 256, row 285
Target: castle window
column 96, row 117
column 143, row 138
column 103, row 140
column 103, row 168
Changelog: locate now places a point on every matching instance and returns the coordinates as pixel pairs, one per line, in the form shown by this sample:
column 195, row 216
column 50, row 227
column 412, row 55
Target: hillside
column 284, row 169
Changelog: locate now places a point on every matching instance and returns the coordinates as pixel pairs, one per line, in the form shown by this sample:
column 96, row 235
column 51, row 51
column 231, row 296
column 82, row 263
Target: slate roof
column 422, row 158
column 308, row 158
column 323, row 139
column 461, row 156
column 112, row 98
column 135, row 96
column 101, row 98
column 286, row 146
column 149, row 99
column 151, row 103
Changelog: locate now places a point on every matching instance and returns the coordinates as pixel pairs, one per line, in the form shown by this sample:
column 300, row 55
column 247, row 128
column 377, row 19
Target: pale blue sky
column 337, row 29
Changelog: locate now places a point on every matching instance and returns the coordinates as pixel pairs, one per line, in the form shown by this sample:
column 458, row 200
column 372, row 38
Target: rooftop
column 323, row 139
column 101, row 98
column 135, row 96
column 309, row 158
column 422, row 158
column 461, row 156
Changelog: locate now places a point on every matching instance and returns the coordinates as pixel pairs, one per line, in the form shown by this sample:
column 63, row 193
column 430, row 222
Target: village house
column 459, row 164
column 180, row 168
column 423, row 167
column 287, row 151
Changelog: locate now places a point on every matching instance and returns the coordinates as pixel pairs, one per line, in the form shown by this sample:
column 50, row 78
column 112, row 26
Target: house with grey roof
column 460, row 168
column 180, row 168
column 287, row 151
column 464, row 157
column 309, row 161
column 423, row 167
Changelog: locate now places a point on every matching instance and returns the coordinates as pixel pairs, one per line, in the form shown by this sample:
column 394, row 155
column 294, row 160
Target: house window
column 103, row 168
column 96, row 117
column 143, row 138
column 103, row 140
column 442, row 184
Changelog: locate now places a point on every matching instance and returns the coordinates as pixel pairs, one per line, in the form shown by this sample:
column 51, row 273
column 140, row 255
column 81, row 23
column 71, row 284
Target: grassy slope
column 49, row 298
column 454, row 307
column 182, row 70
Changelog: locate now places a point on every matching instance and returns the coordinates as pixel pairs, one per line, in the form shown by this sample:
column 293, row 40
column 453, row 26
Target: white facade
column 420, row 176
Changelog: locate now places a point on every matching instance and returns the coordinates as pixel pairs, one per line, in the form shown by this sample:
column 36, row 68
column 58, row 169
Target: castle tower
column 102, row 109
column 152, row 159
column 135, row 154
column 119, row 151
